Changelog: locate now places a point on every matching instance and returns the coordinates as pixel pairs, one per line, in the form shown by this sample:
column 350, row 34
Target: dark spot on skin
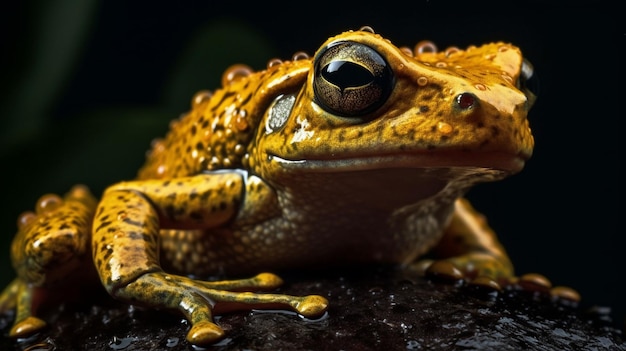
column 138, row 236
column 199, row 146
column 130, row 221
column 193, row 129
column 427, row 97
column 205, row 196
column 107, row 253
column 169, row 211
column 64, row 226
column 166, row 183
column 424, row 109
column 245, row 100
column 171, row 196
column 494, row 131
column 341, row 137
column 103, row 225
column 204, row 124
column 195, row 215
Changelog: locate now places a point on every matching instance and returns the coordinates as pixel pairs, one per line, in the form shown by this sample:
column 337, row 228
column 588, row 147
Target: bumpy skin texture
column 361, row 153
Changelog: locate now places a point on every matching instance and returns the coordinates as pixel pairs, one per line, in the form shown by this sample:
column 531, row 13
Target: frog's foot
column 198, row 300
column 18, row 295
column 491, row 273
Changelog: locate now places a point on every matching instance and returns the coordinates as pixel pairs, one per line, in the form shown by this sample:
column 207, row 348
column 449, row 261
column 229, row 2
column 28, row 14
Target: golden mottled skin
column 361, row 153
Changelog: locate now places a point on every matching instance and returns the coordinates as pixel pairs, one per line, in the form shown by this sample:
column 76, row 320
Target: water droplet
column 199, row 97
column 171, row 341
column 444, row 128
column 441, row 64
column 48, row 203
column 422, row 81
column 235, row 72
column 451, row 50
column 407, row 51
column 274, row 62
column 25, row 218
column 241, row 123
column 161, row 170
column 480, row 86
column 121, row 343
column 425, row 46
column 367, row 29
column 300, row 55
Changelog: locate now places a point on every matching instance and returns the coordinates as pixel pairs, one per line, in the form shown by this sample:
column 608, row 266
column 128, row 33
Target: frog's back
column 216, row 133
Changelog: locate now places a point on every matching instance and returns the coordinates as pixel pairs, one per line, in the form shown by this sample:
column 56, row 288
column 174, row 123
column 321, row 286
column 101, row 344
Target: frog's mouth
column 497, row 161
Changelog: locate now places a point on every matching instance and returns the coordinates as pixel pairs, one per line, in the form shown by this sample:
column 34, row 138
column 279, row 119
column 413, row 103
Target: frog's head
column 366, row 104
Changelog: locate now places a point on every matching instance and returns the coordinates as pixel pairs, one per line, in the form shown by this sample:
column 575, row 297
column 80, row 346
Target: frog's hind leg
column 51, row 244
column 470, row 250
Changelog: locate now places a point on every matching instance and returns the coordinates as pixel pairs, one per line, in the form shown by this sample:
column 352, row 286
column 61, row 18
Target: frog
column 359, row 154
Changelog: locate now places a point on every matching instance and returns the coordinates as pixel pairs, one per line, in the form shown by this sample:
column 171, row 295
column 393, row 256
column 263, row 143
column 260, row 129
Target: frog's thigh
column 51, row 244
column 469, row 248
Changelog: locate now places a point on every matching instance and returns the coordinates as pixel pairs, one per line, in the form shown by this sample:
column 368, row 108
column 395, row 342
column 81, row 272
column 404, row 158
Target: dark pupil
column 346, row 74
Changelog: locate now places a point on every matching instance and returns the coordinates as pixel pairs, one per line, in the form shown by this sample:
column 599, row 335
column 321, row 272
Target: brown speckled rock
column 368, row 311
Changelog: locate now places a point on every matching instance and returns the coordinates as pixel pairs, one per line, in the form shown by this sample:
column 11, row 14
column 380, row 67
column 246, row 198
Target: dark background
column 87, row 84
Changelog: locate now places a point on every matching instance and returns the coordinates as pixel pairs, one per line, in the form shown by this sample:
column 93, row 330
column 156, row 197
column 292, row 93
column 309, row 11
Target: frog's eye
column 528, row 83
column 351, row 79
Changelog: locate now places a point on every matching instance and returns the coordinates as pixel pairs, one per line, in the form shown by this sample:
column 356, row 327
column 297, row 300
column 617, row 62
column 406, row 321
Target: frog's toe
column 533, row 282
column 26, row 327
column 564, row 293
column 267, row 281
column 444, row 270
column 538, row 283
column 204, row 333
column 477, row 270
column 486, row 283
column 312, row 305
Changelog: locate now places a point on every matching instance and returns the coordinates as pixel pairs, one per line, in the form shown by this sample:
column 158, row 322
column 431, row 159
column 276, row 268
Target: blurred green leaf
column 210, row 51
column 57, row 30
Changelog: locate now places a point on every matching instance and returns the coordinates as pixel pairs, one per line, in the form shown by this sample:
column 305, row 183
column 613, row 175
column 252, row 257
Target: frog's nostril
column 466, row 101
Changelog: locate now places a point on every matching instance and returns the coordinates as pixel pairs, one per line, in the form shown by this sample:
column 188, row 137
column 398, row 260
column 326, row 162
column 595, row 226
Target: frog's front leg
column 126, row 249
column 470, row 250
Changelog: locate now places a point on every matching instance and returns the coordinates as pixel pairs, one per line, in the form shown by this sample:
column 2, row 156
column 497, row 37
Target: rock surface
column 369, row 310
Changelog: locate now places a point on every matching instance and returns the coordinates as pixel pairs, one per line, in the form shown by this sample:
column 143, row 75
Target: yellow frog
column 359, row 154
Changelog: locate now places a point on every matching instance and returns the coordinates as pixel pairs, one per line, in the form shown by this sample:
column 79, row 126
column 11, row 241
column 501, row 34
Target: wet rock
column 370, row 310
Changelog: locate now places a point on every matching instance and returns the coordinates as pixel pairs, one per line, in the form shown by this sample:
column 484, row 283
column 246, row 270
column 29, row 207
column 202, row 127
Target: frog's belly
column 281, row 244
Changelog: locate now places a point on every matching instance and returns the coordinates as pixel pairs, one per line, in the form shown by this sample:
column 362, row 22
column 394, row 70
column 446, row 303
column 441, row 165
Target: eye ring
column 351, row 79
